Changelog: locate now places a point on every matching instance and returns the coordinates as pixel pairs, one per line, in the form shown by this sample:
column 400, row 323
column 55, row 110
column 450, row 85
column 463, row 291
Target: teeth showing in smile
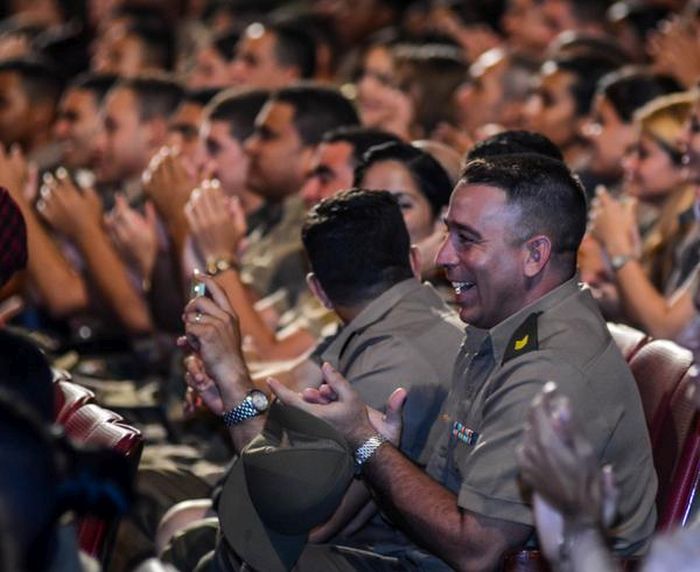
column 460, row 287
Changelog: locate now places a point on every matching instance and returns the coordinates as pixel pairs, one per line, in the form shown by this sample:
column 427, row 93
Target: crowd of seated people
column 403, row 217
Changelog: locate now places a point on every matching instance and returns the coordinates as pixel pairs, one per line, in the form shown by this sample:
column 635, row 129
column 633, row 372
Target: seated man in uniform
column 396, row 331
column 513, row 228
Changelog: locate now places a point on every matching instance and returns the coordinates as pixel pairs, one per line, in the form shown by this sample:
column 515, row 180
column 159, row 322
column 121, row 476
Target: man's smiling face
column 481, row 256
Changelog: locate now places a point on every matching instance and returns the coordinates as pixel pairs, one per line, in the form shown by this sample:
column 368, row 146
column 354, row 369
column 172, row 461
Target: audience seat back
column 87, row 423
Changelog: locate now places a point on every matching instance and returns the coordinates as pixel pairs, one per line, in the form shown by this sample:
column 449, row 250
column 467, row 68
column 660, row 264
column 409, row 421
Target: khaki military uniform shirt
column 274, row 256
column 561, row 337
column 408, row 338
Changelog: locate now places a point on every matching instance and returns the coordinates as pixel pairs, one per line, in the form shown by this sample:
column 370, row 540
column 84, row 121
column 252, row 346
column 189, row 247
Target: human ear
column 538, row 251
column 318, row 291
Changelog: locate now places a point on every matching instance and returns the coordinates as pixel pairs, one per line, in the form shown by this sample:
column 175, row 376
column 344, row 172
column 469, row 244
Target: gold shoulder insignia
column 524, row 338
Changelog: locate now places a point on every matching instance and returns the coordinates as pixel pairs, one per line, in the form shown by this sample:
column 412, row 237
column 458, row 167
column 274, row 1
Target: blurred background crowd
column 146, row 141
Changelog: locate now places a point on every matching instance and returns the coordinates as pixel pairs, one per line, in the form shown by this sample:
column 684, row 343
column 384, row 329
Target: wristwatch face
column 259, row 400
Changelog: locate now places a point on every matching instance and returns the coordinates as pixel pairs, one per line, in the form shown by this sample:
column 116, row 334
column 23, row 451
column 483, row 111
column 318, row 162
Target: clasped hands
column 216, row 370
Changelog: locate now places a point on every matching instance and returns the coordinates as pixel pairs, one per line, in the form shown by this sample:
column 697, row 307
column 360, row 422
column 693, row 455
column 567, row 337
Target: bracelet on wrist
column 365, row 451
column 218, row 265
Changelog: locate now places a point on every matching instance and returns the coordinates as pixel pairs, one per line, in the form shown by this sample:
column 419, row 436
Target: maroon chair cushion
column 89, row 424
column 69, row 397
column 629, row 340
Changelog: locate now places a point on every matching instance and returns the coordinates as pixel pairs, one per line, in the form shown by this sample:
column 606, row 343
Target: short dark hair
column 225, row 44
column 514, row 142
column 362, row 139
column 239, row 110
column 630, row 88
column 317, row 109
column 550, row 197
column 156, row 95
column 201, row 96
column 96, row 83
column 429, row 176
column 158, row 40
column 357, row 245
column 589, row 10
column 39, row 80
column 586, row 71
column 294, row 47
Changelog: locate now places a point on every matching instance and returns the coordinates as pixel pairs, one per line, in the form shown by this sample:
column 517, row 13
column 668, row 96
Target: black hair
column 357, row 245
column 550, row 197
column 586, row 71
column 225, row 44
column 39, row 80
column 158, row 39
column 429, row 176
column 201, row 96
column 294, row 47
column 96, row 83
column 362, row 139
column 156, row 95
column 642, row 17
column 571, row 43
column 593, row 11
column 629, row 89
column 317, row 109
column 514, row 142
column 239, row 110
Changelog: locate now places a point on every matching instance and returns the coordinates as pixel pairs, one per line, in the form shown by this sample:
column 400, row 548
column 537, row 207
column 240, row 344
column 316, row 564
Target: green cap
column 287, row 480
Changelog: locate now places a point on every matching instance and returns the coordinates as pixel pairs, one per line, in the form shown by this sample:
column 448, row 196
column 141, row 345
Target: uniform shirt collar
column 373, row 312
column 501, row 334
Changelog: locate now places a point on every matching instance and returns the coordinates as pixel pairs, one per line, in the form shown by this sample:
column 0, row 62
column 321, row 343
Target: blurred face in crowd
column 378, row 94
column 225, row 156
column 481, row 257
column 529, row 30
column 331, row 171
column 479, row 99
column 551, row 109
column 210, row 70
column 650, row 172
column 183, row 131
column 609, row 137
column 120, row 53
column 16, row 123
column 256, row 63
column 279, row 159
column 392, row 176
column 79, row 128
column 126, row 141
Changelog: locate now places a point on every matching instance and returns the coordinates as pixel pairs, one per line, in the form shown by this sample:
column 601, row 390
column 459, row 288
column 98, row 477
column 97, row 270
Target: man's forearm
column 112, row 281
column 428, row 512
column 60, row 287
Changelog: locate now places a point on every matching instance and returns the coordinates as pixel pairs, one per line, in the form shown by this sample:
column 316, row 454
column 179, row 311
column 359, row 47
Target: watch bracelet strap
column 365, row 451
column 241, row 412
column 216, row 266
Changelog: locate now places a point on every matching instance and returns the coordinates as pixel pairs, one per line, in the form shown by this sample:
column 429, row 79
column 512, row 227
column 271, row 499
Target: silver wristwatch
column 365, row 451
column 254, row 404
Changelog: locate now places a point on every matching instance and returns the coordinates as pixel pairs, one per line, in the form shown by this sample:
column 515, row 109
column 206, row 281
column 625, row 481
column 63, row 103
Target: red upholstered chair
column 660, row 368
column 628, row 339
column 68, row 398
column 86, row 423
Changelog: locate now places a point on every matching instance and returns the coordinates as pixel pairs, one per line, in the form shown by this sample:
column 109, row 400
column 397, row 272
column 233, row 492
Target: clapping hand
column 134, row 235
column 70, row 211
